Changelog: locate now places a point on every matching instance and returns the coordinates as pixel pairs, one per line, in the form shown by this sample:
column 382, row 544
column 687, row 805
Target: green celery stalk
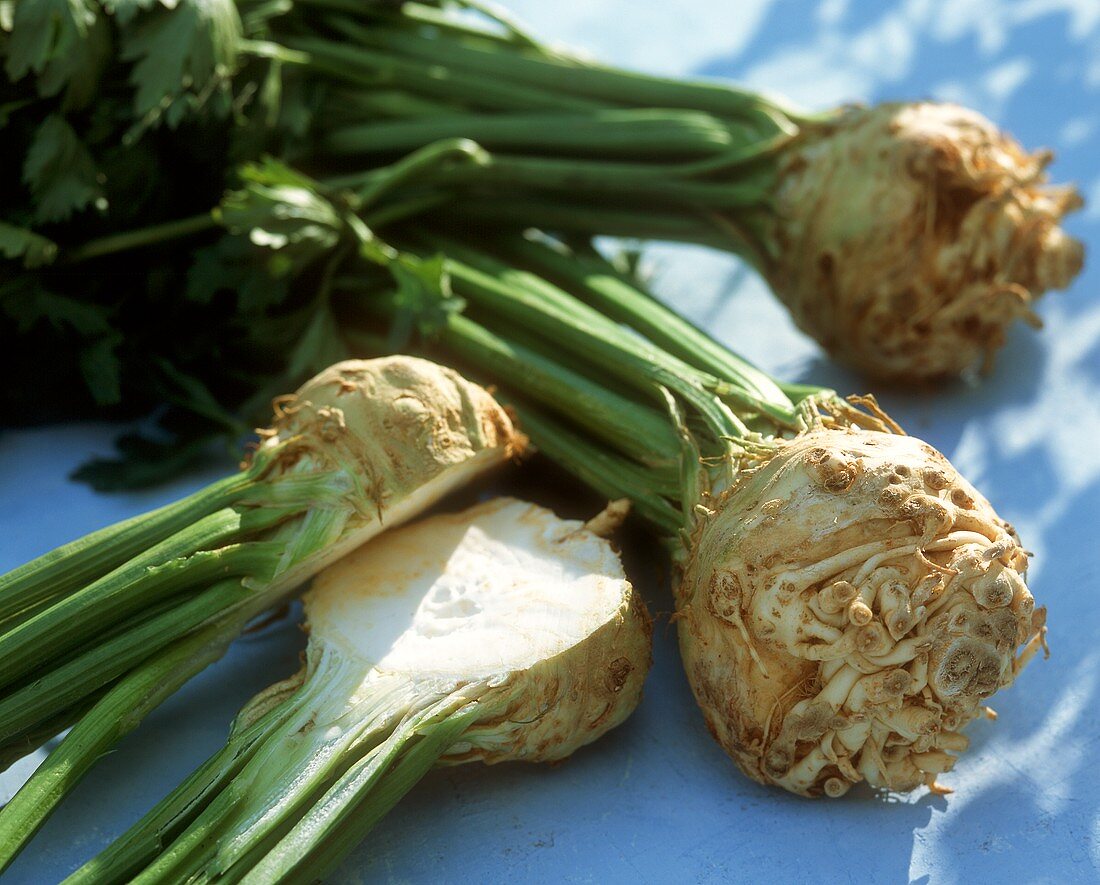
column 113, row 716
column 314, row 762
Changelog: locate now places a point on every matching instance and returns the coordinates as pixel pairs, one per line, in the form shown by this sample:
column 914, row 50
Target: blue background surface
column 657, row 801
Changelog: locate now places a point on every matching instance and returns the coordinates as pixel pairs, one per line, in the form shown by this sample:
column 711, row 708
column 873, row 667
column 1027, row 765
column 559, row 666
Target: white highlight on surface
column 1006, row 78
column 991, row 21
column 1094, row 841
column 1084, row 15
column 644, row 35
column 842, row 64
column 12, row 778
column 830, row 12
column 1077, row 131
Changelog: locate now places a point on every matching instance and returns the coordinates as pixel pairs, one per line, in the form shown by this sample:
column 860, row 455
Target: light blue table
column 657, row 801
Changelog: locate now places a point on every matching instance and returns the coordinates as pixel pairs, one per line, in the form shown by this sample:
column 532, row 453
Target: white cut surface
column 395, row 514
column 488, row 591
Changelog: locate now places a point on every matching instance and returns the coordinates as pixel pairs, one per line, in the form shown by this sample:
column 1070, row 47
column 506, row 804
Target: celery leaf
column 34, row 249
column 182, row 55
column 60, row 171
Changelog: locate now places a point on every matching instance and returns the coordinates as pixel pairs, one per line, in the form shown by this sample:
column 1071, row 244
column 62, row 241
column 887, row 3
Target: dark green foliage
column 119, row 116
column 172, row 243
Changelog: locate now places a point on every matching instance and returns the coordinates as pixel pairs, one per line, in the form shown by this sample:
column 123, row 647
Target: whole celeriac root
column 499, row 633
column 846, row 608
column 910, row 237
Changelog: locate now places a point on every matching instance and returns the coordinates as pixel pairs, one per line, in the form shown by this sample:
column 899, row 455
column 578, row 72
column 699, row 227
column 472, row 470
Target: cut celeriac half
column 500, row 633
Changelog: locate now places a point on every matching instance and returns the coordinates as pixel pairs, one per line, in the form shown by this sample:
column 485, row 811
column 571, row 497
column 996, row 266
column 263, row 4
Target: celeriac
column 499, row 633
